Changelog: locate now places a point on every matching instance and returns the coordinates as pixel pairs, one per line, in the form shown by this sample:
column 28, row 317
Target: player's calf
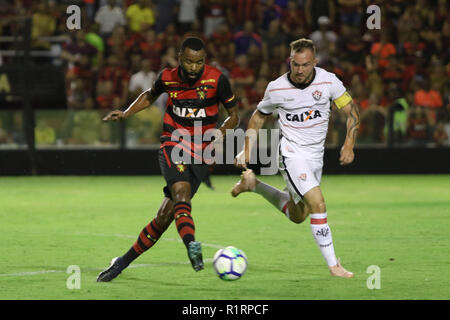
column 297, row 213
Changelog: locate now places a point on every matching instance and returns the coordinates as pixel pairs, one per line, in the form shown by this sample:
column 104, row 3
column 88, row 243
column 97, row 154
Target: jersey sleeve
column 266, row 105
column 339, row 94
column 224, row 92
column 158, row 86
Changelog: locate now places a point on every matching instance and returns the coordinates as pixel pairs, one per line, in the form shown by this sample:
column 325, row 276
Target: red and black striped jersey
column 192, row 108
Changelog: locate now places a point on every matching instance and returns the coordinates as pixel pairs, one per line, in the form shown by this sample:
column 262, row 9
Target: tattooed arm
column 352, row 112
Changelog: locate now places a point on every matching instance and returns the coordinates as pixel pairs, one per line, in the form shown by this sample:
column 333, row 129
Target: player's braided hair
column 302, row 44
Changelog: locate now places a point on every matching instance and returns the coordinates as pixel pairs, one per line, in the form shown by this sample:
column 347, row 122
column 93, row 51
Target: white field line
column 33, row 273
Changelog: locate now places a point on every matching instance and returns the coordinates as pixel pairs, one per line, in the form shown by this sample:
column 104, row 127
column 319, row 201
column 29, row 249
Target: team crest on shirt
column 180, row 166
column 317, row 95
column 201, row 92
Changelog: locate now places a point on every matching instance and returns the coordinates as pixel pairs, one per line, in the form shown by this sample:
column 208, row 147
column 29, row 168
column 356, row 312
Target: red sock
column 184, row 222
column 148, row 237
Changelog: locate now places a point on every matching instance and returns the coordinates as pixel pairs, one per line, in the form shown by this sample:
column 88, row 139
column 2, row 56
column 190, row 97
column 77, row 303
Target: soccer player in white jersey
column 302, row 98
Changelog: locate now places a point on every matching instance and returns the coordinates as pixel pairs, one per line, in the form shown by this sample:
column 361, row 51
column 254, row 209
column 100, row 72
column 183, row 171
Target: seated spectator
column 44, row 133
column 393, row 71
column 274, row 42
column 256, row 93
column 187, row 14
column 394, row 10
column 428, row 98
column 58, row 11
column 440, row 135
column 221, row 37
column 418, row 125
column 270, row 12
column 107, row 17
column 169, row 59
column 359, row 92
column 318, row 8
column 116, row 43
column 240, row 12
column 246, row 39
column 264, row 71
column 151, row 48
column 196, row 30
column 351, row 45
column 112, row 85
column 225, row 58
column 409, row 23
column 292, row 20
column 214, row 12
column 382, row 49
column 169, row 37
column 350, row 11
column 79, row 95
column 166, row 14
column 142, row 80
column 325, row 40
column 372, row 122
column 77, row 48
column 244, row 108
column 241, row 74
column 438, row 75
column 43, row 25
column 140, row 15
column 82, row 70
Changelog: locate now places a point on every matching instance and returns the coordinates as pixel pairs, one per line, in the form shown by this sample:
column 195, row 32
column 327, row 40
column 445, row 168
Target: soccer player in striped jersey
column 195, row 91
column 302, row 98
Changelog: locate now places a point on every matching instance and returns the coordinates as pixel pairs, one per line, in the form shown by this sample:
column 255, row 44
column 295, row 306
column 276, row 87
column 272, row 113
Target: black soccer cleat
column 113, row 270
column 195, row 255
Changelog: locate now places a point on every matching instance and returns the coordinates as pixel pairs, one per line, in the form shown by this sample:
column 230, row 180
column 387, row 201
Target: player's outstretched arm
column 347, row 155
column 231, row 122
column 256, row 122
column 143, row 101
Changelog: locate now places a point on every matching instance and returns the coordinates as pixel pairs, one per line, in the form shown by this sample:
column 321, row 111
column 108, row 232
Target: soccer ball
column 230, row 263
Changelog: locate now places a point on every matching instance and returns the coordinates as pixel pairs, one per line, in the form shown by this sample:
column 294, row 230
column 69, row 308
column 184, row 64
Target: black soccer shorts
column 175, row 172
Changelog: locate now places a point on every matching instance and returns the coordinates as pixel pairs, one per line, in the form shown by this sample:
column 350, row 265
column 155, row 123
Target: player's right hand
column 241, row 160
column 114, row 115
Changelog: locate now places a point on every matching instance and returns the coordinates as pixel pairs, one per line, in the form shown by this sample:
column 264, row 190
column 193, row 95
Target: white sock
column 276, row 197
column 322, row 234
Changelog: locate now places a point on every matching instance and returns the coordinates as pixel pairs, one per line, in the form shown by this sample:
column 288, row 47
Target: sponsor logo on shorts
column 303, row 176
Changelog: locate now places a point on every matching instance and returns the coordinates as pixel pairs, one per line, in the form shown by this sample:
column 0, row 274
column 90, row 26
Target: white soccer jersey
column 303, row 113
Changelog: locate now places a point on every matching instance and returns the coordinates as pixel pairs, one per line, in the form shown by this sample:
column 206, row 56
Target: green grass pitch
column 398, row 223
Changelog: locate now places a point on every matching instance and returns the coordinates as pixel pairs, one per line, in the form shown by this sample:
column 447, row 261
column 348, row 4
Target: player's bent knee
column 181, row 191
column 297, row 213
column 319, row 207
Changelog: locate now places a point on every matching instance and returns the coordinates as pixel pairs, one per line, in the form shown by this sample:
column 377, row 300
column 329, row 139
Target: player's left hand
column 114, row 115
column 347, row 155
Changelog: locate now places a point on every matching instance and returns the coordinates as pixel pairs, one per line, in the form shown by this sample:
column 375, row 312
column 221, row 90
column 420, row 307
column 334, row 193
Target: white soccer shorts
column 300, row 174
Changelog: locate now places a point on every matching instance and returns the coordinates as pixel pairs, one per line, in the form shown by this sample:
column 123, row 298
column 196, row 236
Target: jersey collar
column 301, row 85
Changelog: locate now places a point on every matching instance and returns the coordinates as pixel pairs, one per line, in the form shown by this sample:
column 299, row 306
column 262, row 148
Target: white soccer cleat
column 339, row 271
column 247, row 183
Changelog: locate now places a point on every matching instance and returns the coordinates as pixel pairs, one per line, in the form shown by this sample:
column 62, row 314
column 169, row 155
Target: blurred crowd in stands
column 399, row 73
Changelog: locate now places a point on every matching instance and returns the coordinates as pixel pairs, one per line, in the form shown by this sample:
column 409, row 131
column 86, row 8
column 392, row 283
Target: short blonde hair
column 303, row 44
